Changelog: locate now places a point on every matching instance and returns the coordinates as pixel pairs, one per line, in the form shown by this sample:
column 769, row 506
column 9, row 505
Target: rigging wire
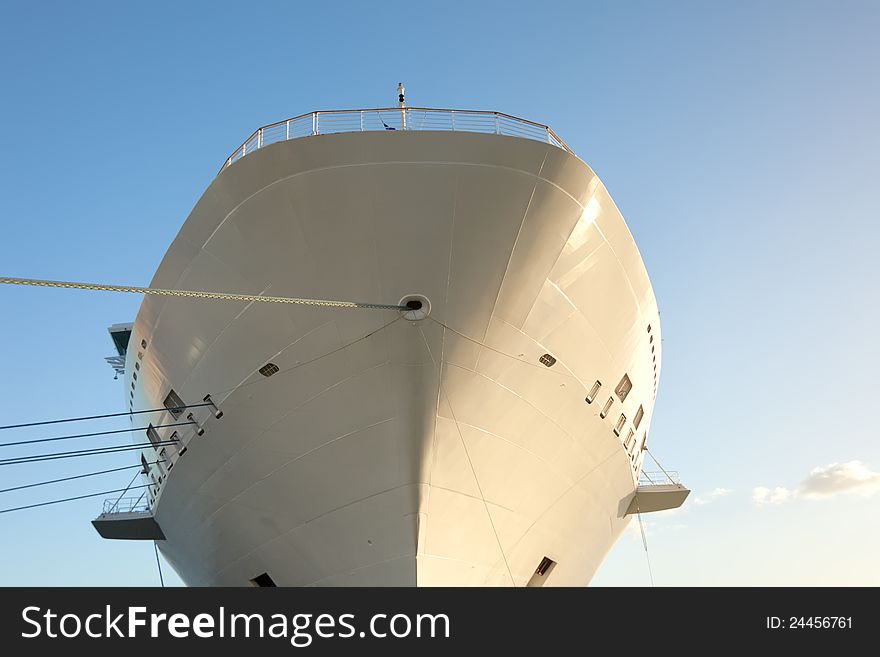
column 668, row 476
column 89, row 435
column 100, row 417
column 71, row 499
column 97, row 451
column 645, row 543
column 159, row 564
column 198, row 294
column 79, row 476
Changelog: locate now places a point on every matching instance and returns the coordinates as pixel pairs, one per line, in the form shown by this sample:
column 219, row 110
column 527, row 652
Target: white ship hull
column 387, row 451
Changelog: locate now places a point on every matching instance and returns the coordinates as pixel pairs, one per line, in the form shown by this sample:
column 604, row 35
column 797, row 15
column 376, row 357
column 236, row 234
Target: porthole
column 140, row 355
column 593, row 392
column 137, row 366
column 132, row 385
column 649, row 328
column 547, row 360
column 606, row 408
column 269, row 369
column 651, row 340
column 143, row 344
column 652, row 349
column 134, row 375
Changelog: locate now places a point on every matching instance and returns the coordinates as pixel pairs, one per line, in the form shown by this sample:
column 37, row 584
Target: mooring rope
column 196, row 294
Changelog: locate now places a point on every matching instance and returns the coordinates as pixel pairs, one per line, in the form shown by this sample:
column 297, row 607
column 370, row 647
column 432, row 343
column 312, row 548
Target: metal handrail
column 659, row 478
column 126, row 505
column 394, row 118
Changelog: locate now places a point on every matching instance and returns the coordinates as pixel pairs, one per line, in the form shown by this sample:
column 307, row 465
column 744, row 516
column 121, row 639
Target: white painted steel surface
column 421, row 454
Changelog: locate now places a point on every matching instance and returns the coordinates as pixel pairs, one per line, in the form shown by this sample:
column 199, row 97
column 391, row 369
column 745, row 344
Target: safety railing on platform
column 395, row 118
column 127, row 504
column 664, row 478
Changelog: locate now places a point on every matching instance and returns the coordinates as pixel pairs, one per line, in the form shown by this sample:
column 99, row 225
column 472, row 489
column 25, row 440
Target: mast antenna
column 402, row 104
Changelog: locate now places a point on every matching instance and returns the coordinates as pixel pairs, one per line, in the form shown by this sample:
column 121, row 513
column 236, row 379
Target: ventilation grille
column 269, row 369
column 547, row 360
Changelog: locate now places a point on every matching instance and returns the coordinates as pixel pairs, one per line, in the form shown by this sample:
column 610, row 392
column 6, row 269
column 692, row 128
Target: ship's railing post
column 314, row 123
column 497, row 124
column 361, row 113
column 453, row 120
column 260, row 138
column 287, row 137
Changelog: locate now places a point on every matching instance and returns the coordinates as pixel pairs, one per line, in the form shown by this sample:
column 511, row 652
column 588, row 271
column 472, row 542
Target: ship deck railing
column 126, row 505
column 664, row 478
column 394, row 118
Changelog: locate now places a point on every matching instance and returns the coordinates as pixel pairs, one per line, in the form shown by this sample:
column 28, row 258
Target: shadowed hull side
column 386, row 451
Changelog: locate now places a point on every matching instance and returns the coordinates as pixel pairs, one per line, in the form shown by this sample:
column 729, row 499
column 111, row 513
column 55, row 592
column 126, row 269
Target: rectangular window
column 153, row 435
column 637, row 420
column 542, row 572
column 174, row 404
column 145, row 467
column 593, row 392
column 175, row 439
column 162, row 461
column 263, row 580
column 628, row 443
column 623, row 387
column 606, row 408
column 619, row 426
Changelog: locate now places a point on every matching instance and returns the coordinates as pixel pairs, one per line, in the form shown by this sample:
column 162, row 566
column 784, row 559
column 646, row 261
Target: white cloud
column 716, row 493
column 833, row 479
column 836, row 478
column 778, row 495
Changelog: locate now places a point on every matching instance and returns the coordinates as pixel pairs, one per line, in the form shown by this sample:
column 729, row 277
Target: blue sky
column 739, row 140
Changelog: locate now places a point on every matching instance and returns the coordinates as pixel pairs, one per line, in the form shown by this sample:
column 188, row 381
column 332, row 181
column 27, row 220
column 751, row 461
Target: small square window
column 593, row 392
